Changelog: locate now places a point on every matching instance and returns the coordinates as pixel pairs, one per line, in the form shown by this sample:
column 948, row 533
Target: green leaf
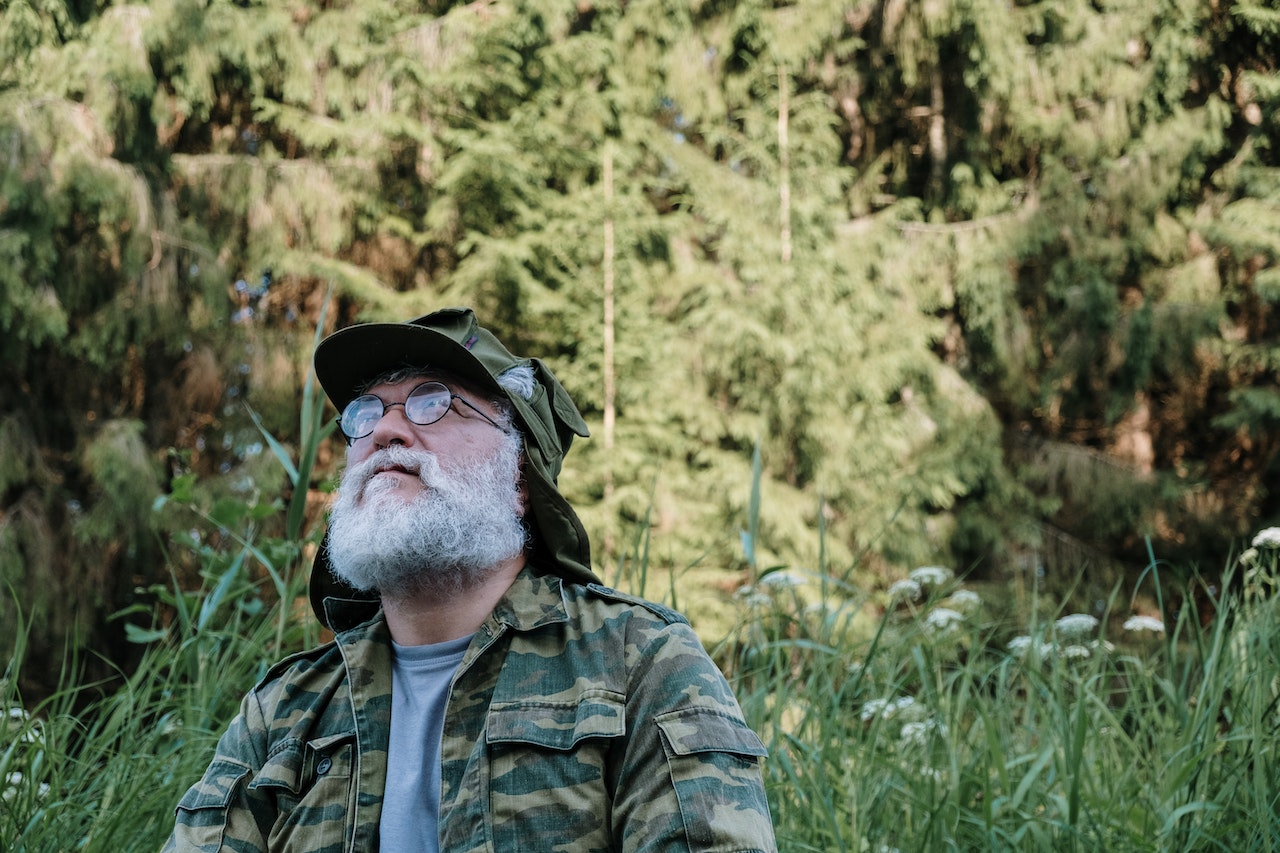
column 143, row 636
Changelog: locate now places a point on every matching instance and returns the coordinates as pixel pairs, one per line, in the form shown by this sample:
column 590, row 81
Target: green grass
column 935, row 732
column 916, row 719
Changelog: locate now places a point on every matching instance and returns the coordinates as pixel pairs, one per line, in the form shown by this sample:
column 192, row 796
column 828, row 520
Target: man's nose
column 394, row 427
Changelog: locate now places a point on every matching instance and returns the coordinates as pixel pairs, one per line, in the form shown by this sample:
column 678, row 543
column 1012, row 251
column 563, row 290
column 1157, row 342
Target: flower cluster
column 942, row 619
column 1144, row 623
column 905, row 590
column 783, row 580
column 1076, row 625
column 19, row 728
column 923, row 597
column 887, row 709
column 921, row 732
column 763, row 593
column 1072, row 640
column 1024, row 645
column 1267, row 538
column 930, row 576
column 966, row 601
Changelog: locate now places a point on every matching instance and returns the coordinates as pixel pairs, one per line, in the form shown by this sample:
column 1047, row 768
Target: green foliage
column 122, row 468
column 98, row 765
column 900, row 247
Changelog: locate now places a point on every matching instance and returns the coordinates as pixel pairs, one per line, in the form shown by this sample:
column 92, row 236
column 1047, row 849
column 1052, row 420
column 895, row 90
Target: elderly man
column 483, row 690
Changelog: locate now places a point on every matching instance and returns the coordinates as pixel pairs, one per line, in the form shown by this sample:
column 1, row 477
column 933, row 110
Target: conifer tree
column 971, row 276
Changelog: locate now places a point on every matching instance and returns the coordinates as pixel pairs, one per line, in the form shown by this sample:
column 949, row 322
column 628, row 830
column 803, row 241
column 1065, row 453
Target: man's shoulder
column 598, row 596
column 298, row 682
column 320, row 663
column 300, row 664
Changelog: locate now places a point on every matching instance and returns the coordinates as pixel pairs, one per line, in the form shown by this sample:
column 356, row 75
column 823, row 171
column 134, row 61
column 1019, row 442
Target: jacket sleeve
column 221, row 811
column 690, row 776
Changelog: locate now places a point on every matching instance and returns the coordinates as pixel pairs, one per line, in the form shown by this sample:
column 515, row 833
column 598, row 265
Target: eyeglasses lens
column 360, row 415
column 425, row 405
column 428, row 403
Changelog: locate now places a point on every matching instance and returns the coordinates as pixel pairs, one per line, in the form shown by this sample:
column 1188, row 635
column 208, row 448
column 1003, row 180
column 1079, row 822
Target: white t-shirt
column 420, row 678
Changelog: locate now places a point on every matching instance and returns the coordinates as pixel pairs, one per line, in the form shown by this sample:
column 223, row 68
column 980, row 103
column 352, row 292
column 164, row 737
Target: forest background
column 977, row 283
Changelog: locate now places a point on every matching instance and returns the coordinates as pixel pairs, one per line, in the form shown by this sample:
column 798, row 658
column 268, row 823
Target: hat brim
column 349, row 358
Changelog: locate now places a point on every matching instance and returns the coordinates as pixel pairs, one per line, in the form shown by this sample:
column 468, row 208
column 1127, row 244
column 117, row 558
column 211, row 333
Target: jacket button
column 322, row 767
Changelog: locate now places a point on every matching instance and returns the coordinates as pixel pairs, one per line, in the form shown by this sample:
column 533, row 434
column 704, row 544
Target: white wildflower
column 1074, row 651
column 907, row 589
column 1102, row 646
column 1023, row 645
column 12, row 781
column 1249, row 557
column 872, row 709
column 782, row 580
column 1144, row 623
column 930, row 575
column 887, row 708
column 1268, row 538
column 21, row 724
column 943, row 618
column 965, row 600
column 917, row 732
column 752, row 597
column 1076, row 624
column 914, row 733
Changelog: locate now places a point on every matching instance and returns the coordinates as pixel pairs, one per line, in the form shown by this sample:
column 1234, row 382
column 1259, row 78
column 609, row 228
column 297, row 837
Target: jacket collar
column 343, row 614
column 532, row 600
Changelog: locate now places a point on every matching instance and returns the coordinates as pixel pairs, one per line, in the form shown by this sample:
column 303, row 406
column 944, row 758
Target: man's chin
column 402, row 584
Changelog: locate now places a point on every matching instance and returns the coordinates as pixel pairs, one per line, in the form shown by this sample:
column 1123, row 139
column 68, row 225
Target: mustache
column 419, row 463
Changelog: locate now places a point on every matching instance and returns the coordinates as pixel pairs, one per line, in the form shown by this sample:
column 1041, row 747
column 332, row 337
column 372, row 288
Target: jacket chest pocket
column 310, row 782
column 548, row 775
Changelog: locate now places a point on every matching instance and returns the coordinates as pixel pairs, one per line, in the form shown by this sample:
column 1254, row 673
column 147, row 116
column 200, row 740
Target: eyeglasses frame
column 387, row 406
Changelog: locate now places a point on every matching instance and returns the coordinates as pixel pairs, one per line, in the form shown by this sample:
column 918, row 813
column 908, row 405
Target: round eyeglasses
column 426, row 404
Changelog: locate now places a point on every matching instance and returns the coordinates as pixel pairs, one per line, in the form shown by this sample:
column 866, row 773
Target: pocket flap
column 558, row 725
column 293, row 763
column 693, row 730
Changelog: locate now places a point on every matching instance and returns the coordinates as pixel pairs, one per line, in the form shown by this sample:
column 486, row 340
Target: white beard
column 448, row 538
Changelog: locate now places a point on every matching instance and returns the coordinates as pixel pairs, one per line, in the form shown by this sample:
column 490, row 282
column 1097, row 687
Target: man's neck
column 432, row 617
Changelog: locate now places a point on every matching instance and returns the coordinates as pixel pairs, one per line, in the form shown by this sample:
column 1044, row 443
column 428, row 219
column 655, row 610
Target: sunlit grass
column 935, row 732
column 98, row 767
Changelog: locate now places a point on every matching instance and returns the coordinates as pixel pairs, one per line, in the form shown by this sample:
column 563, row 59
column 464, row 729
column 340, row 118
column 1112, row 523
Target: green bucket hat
column 451, row 340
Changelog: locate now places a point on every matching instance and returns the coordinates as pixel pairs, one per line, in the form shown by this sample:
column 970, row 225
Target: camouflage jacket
column 580, row 719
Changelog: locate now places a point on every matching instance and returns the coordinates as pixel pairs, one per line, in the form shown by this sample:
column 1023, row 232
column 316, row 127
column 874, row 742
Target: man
column 483, row 690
